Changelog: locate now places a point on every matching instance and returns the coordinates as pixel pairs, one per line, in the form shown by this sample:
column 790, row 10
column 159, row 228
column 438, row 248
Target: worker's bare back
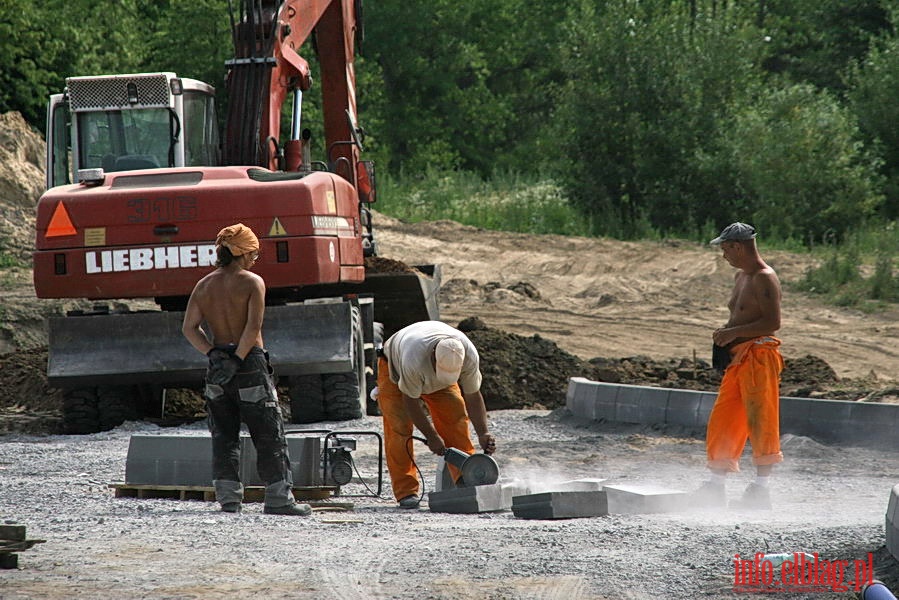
column 226, row 299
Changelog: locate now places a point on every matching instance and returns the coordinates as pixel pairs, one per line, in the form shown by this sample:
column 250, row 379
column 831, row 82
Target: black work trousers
column 250, row 397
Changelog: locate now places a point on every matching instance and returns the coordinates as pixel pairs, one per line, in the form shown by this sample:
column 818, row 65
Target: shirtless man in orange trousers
column 748, row 403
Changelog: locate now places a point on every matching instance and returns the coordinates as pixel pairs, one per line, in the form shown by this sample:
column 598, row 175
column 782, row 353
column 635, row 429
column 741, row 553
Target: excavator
column 139, row 182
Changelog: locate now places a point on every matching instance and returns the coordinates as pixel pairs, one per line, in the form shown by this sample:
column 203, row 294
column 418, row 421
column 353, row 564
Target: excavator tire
column 79, row 411
column 345, row 392
column 307, row 401
column 342, row 397
column 115, row 405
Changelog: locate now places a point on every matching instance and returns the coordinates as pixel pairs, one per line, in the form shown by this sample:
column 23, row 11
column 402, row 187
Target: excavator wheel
column 342, row 397
column 345, row 392
column 115, row 405
column 79, row 411
column 307, row 401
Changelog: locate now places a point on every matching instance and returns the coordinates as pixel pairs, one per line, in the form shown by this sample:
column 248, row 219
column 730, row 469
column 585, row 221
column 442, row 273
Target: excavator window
column 122, row 140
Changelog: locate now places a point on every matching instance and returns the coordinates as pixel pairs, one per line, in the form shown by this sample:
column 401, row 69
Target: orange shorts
column 747, row 407
column 450, row 419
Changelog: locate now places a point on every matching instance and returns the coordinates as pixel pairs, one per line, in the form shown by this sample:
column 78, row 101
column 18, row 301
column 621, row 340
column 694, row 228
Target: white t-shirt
column 410, row 352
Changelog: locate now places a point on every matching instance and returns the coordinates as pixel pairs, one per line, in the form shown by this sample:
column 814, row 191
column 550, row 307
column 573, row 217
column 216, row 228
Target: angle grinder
column 476, row 469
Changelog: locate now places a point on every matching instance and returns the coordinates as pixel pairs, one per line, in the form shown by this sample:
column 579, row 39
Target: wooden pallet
column 12, row 541
column 207, row 493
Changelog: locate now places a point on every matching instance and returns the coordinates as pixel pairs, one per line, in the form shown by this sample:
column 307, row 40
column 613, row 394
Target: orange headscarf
column 239, row 239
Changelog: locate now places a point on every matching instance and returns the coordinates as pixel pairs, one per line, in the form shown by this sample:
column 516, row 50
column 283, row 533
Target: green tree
column 647, row 83
column 873, row 83
column 814, row 41
column 801, row 170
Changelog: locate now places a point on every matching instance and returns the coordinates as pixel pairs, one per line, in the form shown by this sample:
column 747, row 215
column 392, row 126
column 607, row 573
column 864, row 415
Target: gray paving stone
column 560, row 505
column 587, row 484
column 644, row 498
column 471, row 500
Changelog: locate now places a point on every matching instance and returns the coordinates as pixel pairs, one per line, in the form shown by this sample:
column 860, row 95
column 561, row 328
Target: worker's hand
column 487, row 442
column 435, row 444
column 723, row 336
column 223, row 366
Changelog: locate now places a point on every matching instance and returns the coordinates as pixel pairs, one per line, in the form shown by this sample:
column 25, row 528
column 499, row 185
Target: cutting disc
column 479, row 469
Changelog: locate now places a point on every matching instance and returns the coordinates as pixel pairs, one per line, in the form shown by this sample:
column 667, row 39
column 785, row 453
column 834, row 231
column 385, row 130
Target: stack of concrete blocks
column 187, row 461
column 892, row 523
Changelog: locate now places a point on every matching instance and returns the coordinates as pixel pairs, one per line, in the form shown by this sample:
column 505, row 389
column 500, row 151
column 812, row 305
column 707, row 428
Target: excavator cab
column 130, row 122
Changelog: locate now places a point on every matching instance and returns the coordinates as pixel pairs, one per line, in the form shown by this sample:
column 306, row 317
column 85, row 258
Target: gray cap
column 735, row 232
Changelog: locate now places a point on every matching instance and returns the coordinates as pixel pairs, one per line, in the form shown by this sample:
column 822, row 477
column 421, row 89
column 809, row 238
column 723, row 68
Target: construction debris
column 12, row 541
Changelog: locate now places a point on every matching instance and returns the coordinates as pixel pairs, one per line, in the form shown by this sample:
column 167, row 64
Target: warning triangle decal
column 277, row 228
column 60, row 223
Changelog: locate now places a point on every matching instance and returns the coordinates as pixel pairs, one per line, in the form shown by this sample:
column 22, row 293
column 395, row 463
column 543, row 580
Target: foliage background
column 630, row 118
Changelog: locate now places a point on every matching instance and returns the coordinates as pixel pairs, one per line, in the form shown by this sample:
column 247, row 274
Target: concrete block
column 644, row 498
column 169, row 460
column 893, row 506
column 603, row 397
column 683, row 408
column 640, row 404
column 871, row 423
column 560, row 505
column 578, row 398
column 471, row 500
column 892, row 539
column 829, row 419
column 794, row 415
column 706, row 402
column 187, row 460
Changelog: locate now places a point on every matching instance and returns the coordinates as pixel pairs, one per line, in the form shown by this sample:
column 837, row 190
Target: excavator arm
column 266, row 68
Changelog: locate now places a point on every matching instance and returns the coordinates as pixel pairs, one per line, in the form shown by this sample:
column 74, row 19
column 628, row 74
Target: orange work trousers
column 450, row 419
column 747, row 407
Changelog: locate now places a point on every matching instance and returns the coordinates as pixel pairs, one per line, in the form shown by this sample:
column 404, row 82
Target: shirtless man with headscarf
column 239, row 381
column 748, row 403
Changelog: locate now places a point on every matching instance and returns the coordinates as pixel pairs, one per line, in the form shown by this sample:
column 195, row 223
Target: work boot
column 231, row 507
column 295, row 509
column 411, row 501
column 709, row 495
column 755, row 497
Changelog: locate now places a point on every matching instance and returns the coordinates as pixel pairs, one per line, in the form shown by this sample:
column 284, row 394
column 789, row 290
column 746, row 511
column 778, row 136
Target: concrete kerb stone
column 794, row 415
column 683, row 408
column 863, row 423
column 639, row 404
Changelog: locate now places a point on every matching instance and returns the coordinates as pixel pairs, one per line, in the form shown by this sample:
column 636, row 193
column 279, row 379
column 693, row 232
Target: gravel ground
column 828, row 500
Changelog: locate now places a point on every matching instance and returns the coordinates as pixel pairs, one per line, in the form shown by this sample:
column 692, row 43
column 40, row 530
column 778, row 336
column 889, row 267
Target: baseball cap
column 449, row 355
column 735, row 232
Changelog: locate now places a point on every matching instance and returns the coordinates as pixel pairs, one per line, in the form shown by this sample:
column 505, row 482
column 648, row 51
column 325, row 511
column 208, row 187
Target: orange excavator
column 140, row 181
